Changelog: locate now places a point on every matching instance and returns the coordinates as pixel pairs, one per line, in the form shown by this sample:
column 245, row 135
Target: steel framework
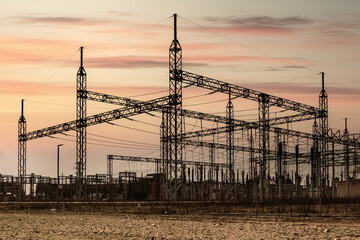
column 173, row 137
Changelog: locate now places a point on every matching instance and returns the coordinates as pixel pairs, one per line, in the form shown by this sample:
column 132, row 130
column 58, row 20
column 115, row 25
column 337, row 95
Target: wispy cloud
column 128, row 62
column 121, row 13
column 134, row 62
column 261, row 21
column 62, row 20
column 263, row 25
column 217, row 59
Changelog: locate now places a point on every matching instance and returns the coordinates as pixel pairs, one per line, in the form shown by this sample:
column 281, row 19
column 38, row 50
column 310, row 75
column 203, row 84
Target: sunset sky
column 277, row 46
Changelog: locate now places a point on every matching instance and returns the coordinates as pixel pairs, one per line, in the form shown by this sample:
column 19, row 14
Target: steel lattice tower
column 164, row 150
column 110, row 171
column 81, row 130
column 315, row 157
column 252, row 164
column 323, row 128
column 230, row 139
column 212, row 163
column 175, row 118
column 22, row 152
column 264, row 138
column 347, row 161
column 160, row 166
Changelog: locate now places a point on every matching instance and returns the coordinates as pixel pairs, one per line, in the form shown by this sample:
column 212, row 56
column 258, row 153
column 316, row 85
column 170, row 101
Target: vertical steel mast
column 22, row 152
column 164, row 153
column 264, row 139
column 175, row 118
column 324, row 128
column 81, row 130
column 230, row 138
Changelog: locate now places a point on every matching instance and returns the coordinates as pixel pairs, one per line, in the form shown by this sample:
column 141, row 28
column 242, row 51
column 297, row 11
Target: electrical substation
column 320, row 163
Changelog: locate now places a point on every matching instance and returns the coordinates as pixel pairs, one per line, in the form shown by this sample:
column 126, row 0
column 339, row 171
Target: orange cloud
column 61, row 20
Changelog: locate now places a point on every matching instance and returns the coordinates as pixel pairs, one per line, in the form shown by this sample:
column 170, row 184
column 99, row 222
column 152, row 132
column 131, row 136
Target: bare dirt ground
column 47, row 224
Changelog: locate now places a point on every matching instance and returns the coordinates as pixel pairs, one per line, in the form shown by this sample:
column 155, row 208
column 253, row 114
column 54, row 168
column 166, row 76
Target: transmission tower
column 81, row 130
column 263, row 139
column 175, row 118
column 230, row 138
column 22, row 153
column 324, row 128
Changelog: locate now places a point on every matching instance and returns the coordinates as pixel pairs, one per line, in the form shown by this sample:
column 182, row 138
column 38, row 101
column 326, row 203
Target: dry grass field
column 54, row 224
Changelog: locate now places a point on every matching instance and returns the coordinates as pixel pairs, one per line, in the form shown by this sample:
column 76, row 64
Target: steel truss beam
column 331, row 137
column 122, row 101
column 148, row 106
column 237, row 91
column 238, row 124
column 236, row 148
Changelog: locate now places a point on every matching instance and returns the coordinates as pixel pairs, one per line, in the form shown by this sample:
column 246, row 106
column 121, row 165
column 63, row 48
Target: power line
column 248, row 47
column 115, row 57
column 205, row 103
column 136, row 129
column 131, row 33
column 52, row 75
column 119, row 139
column 97, row 144
column 136, row 144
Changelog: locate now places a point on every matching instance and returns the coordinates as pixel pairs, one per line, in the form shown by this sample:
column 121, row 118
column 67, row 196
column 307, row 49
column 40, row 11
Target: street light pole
column 58, row 178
